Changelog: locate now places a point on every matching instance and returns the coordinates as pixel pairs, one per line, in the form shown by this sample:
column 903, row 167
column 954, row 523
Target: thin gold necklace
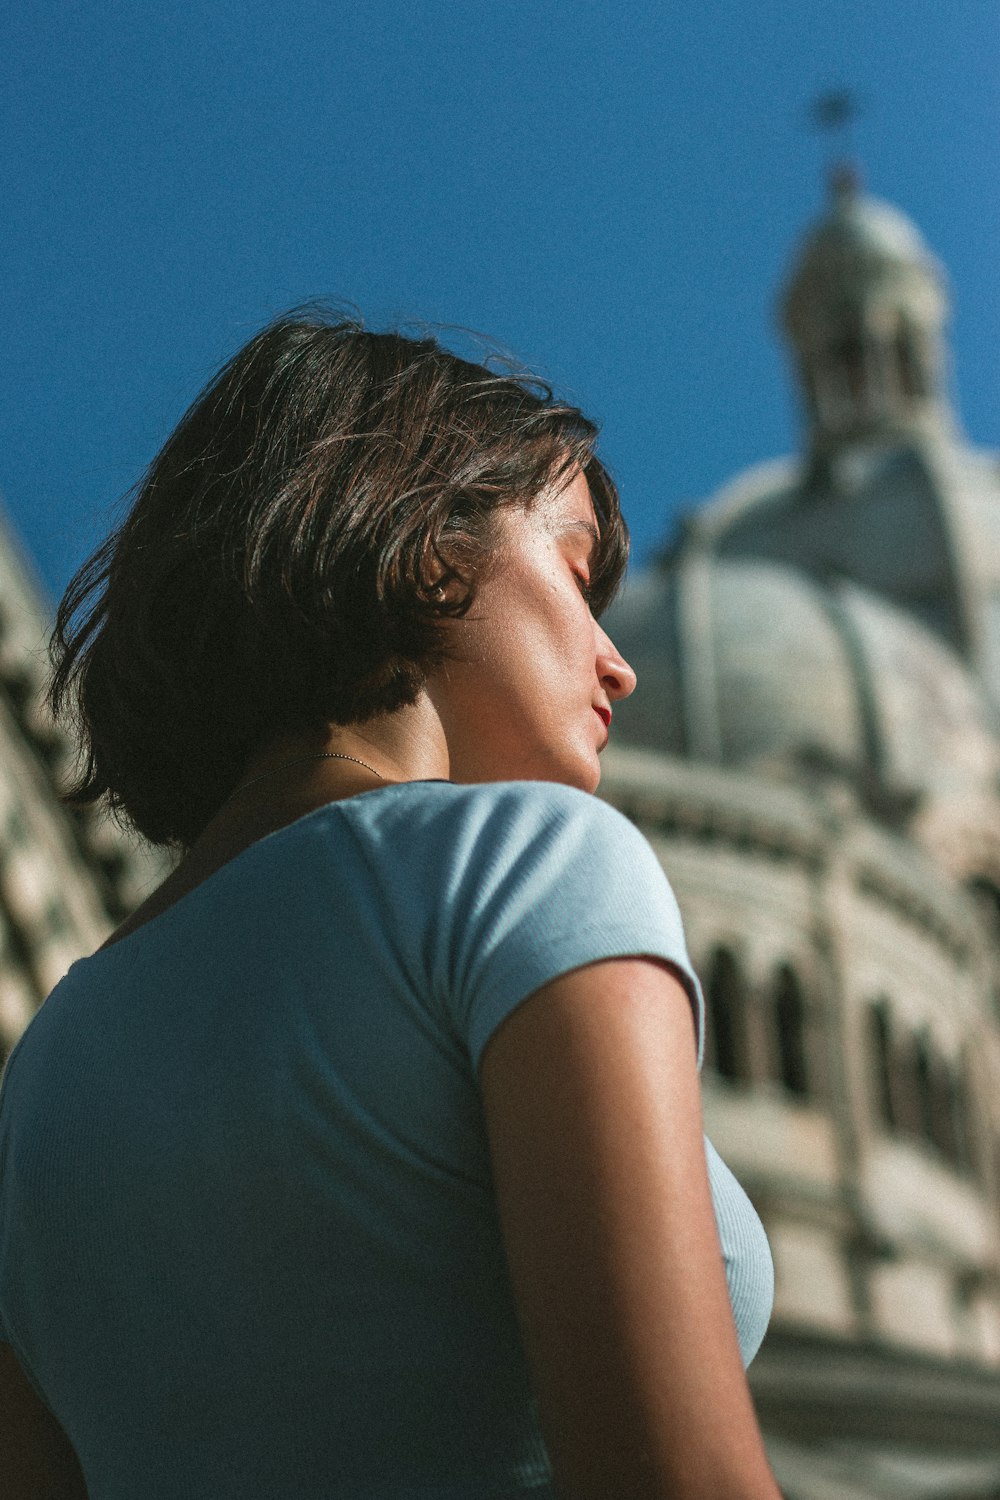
column 297, row 760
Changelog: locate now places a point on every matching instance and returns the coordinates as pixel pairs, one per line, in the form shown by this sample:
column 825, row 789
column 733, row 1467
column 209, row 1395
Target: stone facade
column 66, row 878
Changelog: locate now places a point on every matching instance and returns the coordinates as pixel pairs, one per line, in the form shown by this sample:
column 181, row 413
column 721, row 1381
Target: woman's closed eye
column 583, row 584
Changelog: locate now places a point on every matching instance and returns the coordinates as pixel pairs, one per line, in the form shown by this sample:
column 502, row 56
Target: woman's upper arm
column 592, row 1108
column 37, row 1461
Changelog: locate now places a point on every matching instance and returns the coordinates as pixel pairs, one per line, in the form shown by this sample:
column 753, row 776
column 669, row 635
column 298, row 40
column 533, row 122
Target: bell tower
column 865, row 311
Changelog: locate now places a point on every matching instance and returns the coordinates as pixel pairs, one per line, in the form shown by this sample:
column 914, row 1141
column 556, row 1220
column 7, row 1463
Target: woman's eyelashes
column 583, row 584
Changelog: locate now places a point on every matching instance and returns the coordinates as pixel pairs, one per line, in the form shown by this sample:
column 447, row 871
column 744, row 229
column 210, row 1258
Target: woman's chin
column 583, row 772
column 593, row 781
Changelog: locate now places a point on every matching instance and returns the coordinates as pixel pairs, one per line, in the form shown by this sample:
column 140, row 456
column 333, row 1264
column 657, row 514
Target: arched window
column 943, row 1113
column 880, row 1034
column 917, row 1092
column 911, row 362
column 941, row 1106
column 725, row 998
column 847, row 356
column 923, row 1078
column 790, row 1033
column 986, row 895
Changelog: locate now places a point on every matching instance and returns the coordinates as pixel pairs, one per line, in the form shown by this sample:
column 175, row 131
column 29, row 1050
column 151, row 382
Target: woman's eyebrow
column 585, row 526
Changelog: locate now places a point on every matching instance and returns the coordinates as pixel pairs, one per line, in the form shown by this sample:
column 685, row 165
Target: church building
column 814, row 751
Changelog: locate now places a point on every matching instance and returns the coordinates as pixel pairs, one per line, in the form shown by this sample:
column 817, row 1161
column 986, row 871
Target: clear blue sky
column 613, row 190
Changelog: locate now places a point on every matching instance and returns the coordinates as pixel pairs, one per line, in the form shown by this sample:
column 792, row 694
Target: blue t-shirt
column 248, row 1242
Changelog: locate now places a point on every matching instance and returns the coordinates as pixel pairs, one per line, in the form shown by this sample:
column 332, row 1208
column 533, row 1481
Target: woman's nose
column 616, row 676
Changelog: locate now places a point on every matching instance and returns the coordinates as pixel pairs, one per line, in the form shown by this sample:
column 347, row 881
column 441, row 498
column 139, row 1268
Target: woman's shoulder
column 462, row 825
column 514, row 846
column 525, row 807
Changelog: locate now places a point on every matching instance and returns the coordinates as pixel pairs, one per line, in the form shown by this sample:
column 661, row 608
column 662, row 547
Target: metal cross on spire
column 835, row 109
column 834, row 113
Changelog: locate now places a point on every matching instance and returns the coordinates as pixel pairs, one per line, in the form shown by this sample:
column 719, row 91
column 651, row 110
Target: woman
column 365, row 1159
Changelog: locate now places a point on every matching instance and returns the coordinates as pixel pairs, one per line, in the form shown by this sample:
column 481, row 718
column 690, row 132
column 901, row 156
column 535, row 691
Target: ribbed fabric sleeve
column 552, row 879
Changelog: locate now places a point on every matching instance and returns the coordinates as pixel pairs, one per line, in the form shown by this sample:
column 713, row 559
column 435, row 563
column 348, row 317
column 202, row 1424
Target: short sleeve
column 549, row 879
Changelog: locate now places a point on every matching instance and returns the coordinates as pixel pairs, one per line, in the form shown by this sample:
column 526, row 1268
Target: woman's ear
column 442, row 581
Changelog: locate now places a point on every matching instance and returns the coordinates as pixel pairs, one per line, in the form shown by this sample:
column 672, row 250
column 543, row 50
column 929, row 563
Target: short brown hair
column 272, row 571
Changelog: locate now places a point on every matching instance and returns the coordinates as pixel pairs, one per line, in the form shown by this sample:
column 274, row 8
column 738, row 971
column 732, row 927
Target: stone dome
column 861, row 230
column 861, row 242
column 756, row 665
